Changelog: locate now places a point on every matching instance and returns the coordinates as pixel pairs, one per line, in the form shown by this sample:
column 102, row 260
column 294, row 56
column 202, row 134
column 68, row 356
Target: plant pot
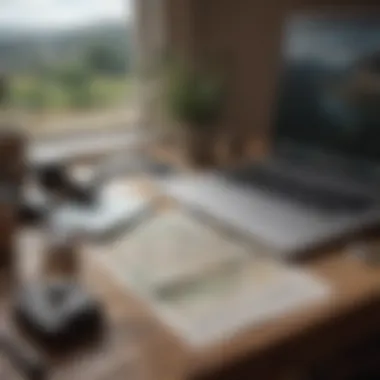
column 237, row 145
column 200, row 145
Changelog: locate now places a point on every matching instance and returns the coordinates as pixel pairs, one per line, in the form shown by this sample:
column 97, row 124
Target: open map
column 201, row 283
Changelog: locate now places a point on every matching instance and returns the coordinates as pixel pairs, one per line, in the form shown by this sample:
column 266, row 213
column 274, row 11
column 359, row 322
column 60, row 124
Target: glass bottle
column 63, row 256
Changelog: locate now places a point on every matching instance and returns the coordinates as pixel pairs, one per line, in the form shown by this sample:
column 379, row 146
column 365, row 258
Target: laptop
column 321, row 181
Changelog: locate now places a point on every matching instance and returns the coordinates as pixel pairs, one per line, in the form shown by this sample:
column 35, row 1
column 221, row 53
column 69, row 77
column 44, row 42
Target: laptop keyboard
column 309, row 194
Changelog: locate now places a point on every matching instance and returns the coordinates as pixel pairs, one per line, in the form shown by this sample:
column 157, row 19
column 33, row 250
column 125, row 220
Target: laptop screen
column 329, row 97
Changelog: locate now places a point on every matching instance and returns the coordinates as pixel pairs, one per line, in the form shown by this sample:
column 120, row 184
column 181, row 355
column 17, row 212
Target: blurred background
column 61, row 60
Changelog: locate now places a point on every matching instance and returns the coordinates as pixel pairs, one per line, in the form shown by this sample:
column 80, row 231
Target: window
column 66, row 65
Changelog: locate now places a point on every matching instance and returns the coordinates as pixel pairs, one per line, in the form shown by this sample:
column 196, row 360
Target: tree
column 107, row 60
column 76, row 80
column 4, row 90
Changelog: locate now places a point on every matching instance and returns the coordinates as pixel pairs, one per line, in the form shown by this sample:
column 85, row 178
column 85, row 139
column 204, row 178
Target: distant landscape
column 65, row 69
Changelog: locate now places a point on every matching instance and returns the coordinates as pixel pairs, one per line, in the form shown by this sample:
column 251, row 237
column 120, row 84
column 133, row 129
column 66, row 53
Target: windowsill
column 86, row 138
column 78, row 136
column 88, row 146
column 55, row 124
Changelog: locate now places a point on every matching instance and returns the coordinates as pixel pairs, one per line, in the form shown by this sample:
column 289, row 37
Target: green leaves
column 195, row 96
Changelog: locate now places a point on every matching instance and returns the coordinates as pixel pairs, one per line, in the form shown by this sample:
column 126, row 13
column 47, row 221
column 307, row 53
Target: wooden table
column 310, row 336
column 145, row 349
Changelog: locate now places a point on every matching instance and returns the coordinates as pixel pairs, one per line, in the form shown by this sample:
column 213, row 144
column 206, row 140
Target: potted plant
column 196, row 98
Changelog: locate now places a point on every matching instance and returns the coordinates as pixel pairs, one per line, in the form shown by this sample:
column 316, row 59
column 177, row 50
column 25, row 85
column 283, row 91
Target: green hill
column 27, row 51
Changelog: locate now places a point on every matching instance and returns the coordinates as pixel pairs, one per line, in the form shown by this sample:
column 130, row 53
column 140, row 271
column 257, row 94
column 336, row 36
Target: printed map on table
column 204, row 285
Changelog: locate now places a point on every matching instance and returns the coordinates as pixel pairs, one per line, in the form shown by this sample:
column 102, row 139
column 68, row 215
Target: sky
column 60, row 13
